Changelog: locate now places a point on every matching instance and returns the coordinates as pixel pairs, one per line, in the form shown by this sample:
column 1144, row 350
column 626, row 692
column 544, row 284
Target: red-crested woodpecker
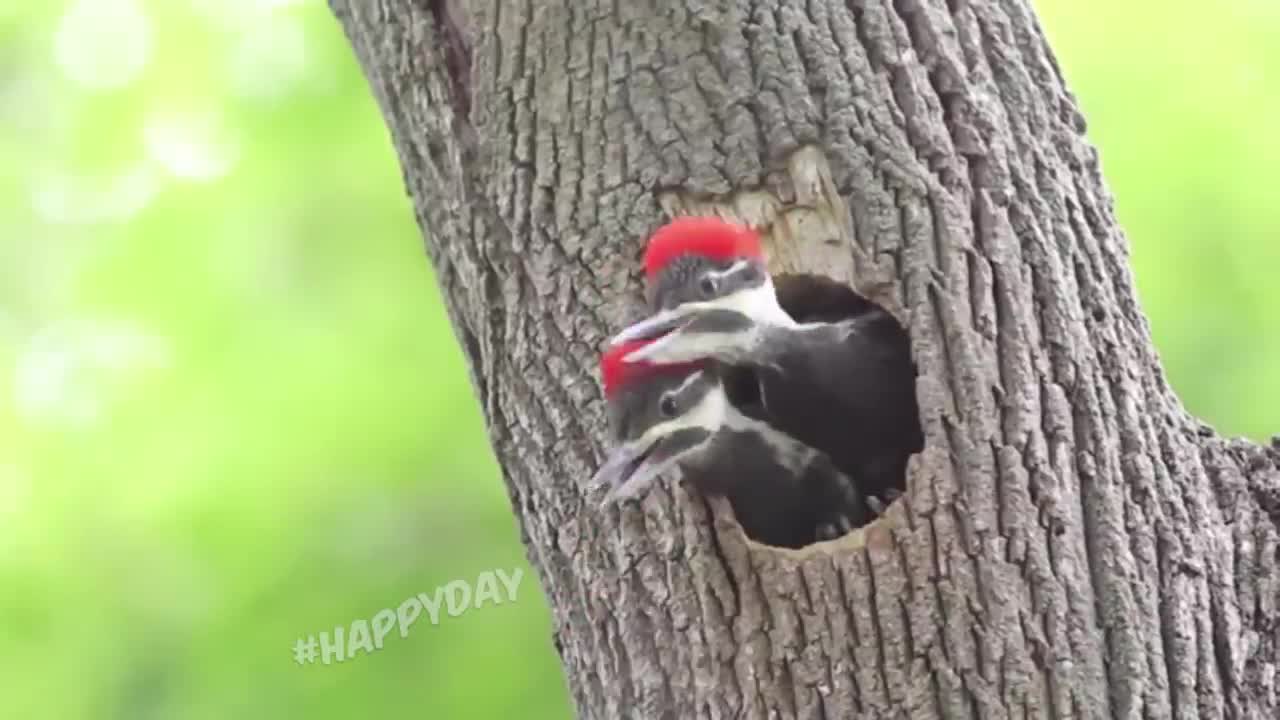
column 834, row 370
column 782, row 491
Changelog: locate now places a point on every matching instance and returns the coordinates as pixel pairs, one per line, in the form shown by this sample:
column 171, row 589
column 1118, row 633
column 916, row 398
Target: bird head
column 659, row 415
column 699, row 259
column 696, row 264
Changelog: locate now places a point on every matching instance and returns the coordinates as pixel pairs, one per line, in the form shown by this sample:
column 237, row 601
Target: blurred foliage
column 232, row 412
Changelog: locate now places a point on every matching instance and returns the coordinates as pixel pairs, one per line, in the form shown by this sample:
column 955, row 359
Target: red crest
column 707, row 237
column 617, row 374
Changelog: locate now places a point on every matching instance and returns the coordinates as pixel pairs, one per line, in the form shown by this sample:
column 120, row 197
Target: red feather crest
column 705, row 236
column 618, row 374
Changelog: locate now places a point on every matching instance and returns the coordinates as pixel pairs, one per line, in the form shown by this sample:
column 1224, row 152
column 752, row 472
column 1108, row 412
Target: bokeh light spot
column 62, row 198
column 269, row 59
column 190, row 145
column 67, row 373
column 103, row 44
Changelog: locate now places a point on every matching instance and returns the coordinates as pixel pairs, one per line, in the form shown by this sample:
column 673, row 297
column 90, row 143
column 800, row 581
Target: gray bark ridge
column 1072, row 544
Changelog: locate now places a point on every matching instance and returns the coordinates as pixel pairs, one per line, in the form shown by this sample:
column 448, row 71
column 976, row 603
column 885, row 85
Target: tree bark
column 1072, row 544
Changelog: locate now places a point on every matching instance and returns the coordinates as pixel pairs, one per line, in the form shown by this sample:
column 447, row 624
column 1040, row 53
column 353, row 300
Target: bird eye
column 667, row 406
column 707, row 285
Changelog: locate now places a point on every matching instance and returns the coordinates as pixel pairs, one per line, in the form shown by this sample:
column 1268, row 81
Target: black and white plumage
column 783, row 492
column 834, row 370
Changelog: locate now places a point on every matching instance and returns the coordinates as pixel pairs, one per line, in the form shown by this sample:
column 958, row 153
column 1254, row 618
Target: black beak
column 719, row 333
column 632, row 467
column 658, row 324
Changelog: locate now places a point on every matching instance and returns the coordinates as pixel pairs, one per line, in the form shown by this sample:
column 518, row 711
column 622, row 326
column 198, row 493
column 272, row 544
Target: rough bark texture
column 1072, row 545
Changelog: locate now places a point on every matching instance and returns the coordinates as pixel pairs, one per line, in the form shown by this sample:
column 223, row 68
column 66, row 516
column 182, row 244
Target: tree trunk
column 1072, row 543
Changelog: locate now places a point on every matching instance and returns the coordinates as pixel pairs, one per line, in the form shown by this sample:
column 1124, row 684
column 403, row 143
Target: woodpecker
column 783, row 492
column 834, row 369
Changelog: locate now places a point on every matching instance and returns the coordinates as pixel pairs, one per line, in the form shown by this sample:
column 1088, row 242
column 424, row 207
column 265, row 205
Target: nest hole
column 885, row 407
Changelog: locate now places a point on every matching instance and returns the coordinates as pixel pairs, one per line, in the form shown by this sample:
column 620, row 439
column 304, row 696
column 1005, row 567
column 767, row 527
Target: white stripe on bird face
column 695, row 342
column 708, row 413
column 790, row 452
column 728, row 272
column 759, row 302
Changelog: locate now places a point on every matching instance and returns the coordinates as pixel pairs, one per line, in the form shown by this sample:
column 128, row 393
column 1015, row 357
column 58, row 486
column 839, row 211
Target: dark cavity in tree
column 817, row 298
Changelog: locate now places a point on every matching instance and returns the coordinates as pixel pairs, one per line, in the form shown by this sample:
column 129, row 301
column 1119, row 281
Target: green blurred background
column 232, row 411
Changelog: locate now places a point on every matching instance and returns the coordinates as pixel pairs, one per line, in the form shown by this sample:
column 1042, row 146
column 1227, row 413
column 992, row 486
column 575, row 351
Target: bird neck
column 762, row 304
column 786, row 450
